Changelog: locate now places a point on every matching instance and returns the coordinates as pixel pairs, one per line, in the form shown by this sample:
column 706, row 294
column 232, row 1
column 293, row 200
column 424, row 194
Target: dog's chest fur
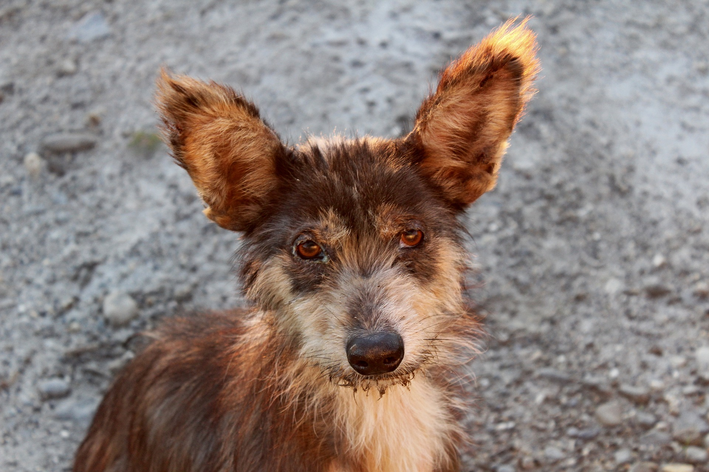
column 405, row 429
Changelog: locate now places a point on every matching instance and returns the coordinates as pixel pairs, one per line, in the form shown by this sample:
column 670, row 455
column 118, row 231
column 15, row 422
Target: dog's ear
column 219, row 138
column 461, row 130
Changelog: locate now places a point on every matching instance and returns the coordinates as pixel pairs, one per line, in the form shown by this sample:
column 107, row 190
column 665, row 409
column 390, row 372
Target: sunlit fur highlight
column 270, row 387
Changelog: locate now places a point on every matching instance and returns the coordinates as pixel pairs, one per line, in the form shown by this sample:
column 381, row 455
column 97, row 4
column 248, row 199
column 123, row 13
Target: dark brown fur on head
column 344, row 241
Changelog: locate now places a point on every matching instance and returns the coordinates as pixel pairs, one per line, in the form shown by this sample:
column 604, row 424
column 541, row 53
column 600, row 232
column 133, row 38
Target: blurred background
column 592, row 253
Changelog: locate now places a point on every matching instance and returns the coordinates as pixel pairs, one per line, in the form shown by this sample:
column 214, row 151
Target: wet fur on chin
column 272, row 387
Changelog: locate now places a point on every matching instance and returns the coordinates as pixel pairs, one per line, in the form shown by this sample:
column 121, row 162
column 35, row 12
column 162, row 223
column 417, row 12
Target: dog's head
column 354, row 246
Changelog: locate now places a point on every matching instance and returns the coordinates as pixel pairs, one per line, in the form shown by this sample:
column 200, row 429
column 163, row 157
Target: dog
column 353, row 355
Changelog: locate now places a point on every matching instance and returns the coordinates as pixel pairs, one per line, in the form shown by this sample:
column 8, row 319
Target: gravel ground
column 593, row 251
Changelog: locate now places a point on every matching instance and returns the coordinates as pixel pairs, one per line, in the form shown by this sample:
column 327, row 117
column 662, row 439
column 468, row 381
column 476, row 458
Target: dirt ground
column 593, row 251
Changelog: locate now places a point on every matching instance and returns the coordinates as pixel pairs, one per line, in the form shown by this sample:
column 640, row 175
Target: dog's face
column 354, row 245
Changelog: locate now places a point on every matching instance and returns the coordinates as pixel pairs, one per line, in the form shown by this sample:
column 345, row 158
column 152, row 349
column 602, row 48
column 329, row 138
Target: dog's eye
column 411, row 238
column 308, row 249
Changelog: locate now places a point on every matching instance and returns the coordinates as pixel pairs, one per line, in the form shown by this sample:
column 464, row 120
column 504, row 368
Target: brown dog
column 352, row 356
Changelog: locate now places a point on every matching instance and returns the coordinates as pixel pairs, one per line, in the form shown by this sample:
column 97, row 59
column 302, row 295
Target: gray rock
column 645, row 419
column 701, row 356
column 67, row 67
column 689, row 428
column 644, row 467
column 34, row 164
column 506, row 468
column 554, row 375
column 655, row 288
column 553, row 454
column 598, row 385
column 68, row 142
column 701, row 290
column 53, row 388
column 119, row 308
column 655, row 438
column 639, row 395
column 91, row 27
column 677, row 468
column 609, row 414
column 623, row 456
column 695, row 455
column 78, row 410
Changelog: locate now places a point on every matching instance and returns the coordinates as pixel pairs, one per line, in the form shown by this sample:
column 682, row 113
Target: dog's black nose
column 375, row 353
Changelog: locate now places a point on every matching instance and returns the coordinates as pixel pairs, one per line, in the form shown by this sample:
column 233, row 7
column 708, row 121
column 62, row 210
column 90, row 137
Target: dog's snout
column 375, row 353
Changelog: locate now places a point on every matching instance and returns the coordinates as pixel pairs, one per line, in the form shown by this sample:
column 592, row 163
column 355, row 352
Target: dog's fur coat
column 341, row 239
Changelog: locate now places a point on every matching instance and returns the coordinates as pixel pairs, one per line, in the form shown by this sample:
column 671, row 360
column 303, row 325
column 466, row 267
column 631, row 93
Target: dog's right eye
column 308, row 249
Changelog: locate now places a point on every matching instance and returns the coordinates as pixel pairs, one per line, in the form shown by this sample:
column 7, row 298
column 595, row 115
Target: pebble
column 53, row 388
column 554, row 375
column 701, row 290
column 644, row 467
column 689, row 428
column 702, row 357
column 91, row 27
column 655, row 438
column 80, row 410
column 68, row 142
column 623, row 456
column 609, row 414
column 119, row 308
column 677, row 468
column 67, row 67
column 645, row 419
column 639, row 395
column 506, row 468
column 696, row 455
column 659, row 261
column 553, row 453
column 33, row 164
column 655, row 288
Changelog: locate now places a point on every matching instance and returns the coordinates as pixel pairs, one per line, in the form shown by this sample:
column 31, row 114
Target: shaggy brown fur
column 353, row 355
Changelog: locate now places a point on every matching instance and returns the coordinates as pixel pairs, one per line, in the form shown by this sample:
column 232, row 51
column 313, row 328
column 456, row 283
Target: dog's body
column 353, row 355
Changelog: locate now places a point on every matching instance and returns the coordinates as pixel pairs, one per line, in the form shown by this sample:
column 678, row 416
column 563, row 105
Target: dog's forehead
column 363, row 183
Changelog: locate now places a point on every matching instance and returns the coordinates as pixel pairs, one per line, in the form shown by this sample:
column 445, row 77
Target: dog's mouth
column 378, row 383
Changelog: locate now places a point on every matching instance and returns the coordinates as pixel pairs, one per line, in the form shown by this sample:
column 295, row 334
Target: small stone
column 34, row 164
column 702, row 357
column 67, row 67
column 659, row 261
column 527, row 463
column 696, row 455
column 655, row 288
column 80, row 411
column 637, row 395
column 677, row 468
column 656, row 438
column 645, row 419
column 689, row 429
column 119, row 308
column 53, row 388
column 598, row 385
column 91, row 27
column 623, row 456
column 609, row 414
column 553, row 454
column 613, row 286
column 506, row 468
column 68, row 142
column 644, row 467
column 701, row 290
column 554, row 375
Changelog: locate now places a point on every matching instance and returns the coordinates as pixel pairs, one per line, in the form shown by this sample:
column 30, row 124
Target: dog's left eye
column 411, row 238
column 309, row 250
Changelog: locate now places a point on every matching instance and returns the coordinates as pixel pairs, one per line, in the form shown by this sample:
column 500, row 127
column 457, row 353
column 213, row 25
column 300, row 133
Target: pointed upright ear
column 219, row 138
column 462, row 129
